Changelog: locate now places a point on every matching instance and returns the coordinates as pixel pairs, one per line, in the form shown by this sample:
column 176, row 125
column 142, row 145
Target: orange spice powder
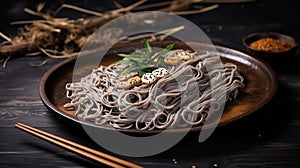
column 270, row 44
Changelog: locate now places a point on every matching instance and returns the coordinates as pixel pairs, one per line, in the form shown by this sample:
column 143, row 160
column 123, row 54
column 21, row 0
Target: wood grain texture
column 267, row 138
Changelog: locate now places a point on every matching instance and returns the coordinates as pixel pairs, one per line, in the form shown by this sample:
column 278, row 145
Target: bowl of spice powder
column 271, row 47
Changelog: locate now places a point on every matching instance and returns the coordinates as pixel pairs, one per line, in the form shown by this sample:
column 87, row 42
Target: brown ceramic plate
column 261, row 84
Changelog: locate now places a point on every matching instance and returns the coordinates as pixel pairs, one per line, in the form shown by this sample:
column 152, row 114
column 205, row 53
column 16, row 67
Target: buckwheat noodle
column 180, row 99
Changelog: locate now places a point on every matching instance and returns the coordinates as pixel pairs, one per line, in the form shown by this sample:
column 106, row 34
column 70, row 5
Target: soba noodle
column 180, row 99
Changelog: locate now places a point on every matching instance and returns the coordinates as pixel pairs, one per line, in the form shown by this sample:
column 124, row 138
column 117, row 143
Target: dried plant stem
column 77, row 9
column 180, row 5
column 168, row 32
column 156, row 35
column 159, row 4
column 42, row 15
column 202, row 10
column 16, row 48
column 130, row 7
column 117, row 4
column 6, row 38
column 28, row 22
column 39, row 64
column 61, row 54
column 5, row 61
column 33, row 54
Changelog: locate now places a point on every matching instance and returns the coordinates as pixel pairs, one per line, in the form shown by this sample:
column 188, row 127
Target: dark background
column 267, row 138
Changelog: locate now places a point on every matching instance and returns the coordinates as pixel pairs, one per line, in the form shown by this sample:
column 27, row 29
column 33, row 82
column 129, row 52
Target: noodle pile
column 180, row 99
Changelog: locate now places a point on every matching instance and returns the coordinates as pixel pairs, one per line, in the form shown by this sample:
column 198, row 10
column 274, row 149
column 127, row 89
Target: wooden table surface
column 269, row 137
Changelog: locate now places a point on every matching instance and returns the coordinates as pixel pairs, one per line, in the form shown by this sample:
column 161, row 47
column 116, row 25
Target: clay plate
column 261, row 84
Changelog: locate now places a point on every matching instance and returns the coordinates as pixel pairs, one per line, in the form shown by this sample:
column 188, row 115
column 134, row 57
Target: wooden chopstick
column 79, row 149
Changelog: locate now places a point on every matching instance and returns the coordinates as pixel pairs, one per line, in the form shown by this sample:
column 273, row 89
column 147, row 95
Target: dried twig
column 77, row 9
column 201, row 10
column 156, row 36
column 5, row 60
column 6, row 38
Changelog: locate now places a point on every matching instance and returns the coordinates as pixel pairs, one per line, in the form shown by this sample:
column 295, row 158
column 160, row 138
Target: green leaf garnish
column 141, row 60
column 147, row 45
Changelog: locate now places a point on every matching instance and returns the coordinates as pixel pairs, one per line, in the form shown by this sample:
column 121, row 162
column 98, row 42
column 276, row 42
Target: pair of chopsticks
column 78, row 149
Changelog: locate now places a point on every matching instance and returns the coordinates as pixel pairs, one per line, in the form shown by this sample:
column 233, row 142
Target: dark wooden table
column 269, row 137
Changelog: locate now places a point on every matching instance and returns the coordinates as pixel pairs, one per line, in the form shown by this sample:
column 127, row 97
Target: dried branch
column 77, row 9
column 201, row 10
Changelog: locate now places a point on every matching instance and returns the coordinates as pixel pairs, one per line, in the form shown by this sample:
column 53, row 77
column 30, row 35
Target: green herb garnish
column 143, row 60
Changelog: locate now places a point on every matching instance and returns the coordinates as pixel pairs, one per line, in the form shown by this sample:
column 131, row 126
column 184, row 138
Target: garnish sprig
column 143, row 60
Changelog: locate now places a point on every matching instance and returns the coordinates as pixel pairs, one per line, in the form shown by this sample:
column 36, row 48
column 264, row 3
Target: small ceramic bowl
column 271, row 47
